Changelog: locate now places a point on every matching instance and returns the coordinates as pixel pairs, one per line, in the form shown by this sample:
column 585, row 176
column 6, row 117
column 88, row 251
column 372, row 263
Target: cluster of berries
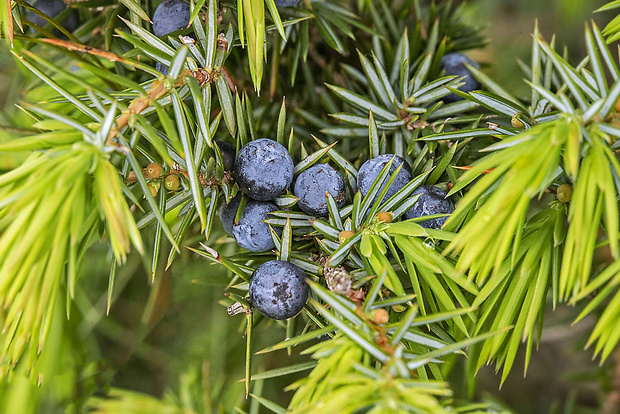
column 432, row 199
column 264, row 170
column 154, row 172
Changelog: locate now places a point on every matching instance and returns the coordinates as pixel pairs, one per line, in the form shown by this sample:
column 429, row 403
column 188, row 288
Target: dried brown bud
column 381, row 316
column 338, row 279
column 345, row 235
column 385, row 216
column 131, row 177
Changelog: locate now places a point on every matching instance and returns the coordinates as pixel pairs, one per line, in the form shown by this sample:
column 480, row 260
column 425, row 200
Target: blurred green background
column 180, row 330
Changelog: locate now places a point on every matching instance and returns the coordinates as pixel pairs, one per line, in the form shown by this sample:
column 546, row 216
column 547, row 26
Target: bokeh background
column 177, row 338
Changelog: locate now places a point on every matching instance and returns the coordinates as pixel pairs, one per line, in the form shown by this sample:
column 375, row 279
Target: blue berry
column 286, row 3
column 370, row 170
column 250, row 232
column 453, row 64
column 228, row 212
column 432, row 201
column 278, row 289
column 228, row 154
column 52, row 8
column 170, row 16
column 312, row 184
column 263, row 169
column 161, row 68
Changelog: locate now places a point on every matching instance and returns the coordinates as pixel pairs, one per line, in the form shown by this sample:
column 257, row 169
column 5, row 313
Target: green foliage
column 50, row 213
column 395, row 306
column 612, row 30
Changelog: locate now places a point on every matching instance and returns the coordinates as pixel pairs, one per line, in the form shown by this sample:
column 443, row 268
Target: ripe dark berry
column 170, row 16
column 453, row 64
column 52, row 8
column 250, row 232
column 432, row 201
column 172, row 182
column 153, row 170
column 286, row 3
column 263, row 169
column 228, row 154
column 278, row 289
column 370, row 170
column 311, row 186
column 161, row 68
column 228, row 212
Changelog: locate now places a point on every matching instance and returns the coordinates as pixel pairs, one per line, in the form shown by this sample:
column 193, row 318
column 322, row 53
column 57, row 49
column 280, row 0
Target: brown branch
column 157, row 90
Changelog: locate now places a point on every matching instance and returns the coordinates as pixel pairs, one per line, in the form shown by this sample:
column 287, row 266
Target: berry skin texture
column 263, row 169
column 278, row 289
column 170, row 16
column 228, row 212
column 453, row 64
column 286, row 3
column 250, row 232
column 312, row 185
column 228, row 154
column 431, row 201
column 370, row 170
column 53, row 8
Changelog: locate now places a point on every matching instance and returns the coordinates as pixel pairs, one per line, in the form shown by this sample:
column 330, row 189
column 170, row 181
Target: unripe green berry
column 516, row 122
column 564, row 193
column 152, row 189
column 153, row 170
column 172, row 182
